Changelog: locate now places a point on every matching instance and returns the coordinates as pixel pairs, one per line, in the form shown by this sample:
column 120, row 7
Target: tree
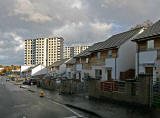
column 146, row 25
column 1, row 66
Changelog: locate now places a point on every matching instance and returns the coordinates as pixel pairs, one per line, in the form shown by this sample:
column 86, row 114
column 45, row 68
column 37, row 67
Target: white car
column 7, row 79
column 58, row 81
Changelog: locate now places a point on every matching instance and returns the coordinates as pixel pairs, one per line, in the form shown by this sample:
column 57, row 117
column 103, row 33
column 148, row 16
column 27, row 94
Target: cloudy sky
column 77, row 21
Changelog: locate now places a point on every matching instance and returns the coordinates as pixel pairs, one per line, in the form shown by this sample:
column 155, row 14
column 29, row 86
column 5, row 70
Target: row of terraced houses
column 122, row 56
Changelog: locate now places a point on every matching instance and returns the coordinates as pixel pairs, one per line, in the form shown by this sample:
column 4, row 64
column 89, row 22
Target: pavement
column 16, row 102
column 98, row 108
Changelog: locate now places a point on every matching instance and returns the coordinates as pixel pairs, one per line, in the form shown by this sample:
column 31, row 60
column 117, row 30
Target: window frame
column 150, row 44
column 80, row 60
column 87, row 60
column 98, row 55
column 98, row 73
column 110, row 53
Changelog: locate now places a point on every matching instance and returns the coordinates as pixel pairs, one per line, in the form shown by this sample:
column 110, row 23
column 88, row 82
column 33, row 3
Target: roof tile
column 151, row 31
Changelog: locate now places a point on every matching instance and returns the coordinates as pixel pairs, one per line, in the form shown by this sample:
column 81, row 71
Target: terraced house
column 113, row 59
column 148, row 51
column 58, row 68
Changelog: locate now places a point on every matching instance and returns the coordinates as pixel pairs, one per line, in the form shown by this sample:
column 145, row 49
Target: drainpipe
column 138, row 60
column 115, row 68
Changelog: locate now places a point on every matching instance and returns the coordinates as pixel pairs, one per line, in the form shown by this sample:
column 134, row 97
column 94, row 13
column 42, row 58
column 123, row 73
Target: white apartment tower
column 73, row 51
column 69, row 52
column 43, row 51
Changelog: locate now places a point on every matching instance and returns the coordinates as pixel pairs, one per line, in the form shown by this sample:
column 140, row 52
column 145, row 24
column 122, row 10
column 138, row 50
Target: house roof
column 70, row 61
column 87, row 52
column 58, row 63
column 154, row 30
column 117, row 40
column 30, row 68
column 113, row 42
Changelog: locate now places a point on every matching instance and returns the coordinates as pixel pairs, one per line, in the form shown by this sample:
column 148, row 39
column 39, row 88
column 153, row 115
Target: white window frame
column 109, row 53
column 87, row 60
column 150, row 44
column 80, row 60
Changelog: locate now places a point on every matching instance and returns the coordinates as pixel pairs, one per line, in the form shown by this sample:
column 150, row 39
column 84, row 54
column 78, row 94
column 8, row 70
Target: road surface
column 16, row 102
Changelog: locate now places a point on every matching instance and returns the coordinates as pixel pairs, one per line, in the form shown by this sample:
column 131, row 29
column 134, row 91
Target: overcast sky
column 77, row 21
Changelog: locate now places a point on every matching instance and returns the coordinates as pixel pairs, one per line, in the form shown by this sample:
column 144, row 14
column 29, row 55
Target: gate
column 156, row 93
column 85, row 87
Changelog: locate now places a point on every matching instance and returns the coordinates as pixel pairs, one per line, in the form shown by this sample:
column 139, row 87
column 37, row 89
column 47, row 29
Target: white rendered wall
column 101, row 68
column 62, row 68
column 78, row 67
column 146, row 59
column 110, row 64
column 126, row 57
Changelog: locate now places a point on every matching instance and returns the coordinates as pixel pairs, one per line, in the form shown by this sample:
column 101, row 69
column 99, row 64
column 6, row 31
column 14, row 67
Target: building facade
column 68, row 52
column 79, row 49
column 148, row 52
column 113, row 59
column 73, row 51
column 43, row 51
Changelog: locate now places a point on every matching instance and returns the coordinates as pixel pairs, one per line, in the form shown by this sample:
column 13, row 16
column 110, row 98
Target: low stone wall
column 47, row 84
column 135, row 92
column 71, row 86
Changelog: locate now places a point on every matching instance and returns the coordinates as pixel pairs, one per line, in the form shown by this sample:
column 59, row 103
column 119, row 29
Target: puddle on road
column 71, row 117
column 31, row 91
column 21, row 105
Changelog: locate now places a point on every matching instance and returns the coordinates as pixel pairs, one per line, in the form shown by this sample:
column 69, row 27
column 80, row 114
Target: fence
column 72, row 86
column 48, row 84
column 155, row 96
column 112, row 86
column 127, row 75
column 120, row 86
column 132, row 91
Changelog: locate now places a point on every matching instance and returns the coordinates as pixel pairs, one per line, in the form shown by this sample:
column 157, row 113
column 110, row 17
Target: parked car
column 58, row 81
column 7, row 79
column 156, row 87
column 13, row 78
column 26, row 82
column 33, row 81
column 19, row 79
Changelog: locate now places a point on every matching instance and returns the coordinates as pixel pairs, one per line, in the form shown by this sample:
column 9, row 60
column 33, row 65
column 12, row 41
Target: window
column 98, row 55
column 98, row 74
column 80, row 60
column 109, row 53
column 150, row 44
column 74, row 60
column 86, row 75
column 87, row 60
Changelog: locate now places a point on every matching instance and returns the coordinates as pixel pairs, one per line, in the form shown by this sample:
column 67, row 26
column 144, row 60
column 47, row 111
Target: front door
column 149, row 70
column 109, row 74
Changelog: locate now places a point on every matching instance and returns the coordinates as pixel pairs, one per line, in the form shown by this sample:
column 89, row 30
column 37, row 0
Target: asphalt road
column 16, row 102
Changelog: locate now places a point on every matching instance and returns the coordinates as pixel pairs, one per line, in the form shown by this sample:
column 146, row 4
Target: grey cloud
column 78, row 21
column 125, row 12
